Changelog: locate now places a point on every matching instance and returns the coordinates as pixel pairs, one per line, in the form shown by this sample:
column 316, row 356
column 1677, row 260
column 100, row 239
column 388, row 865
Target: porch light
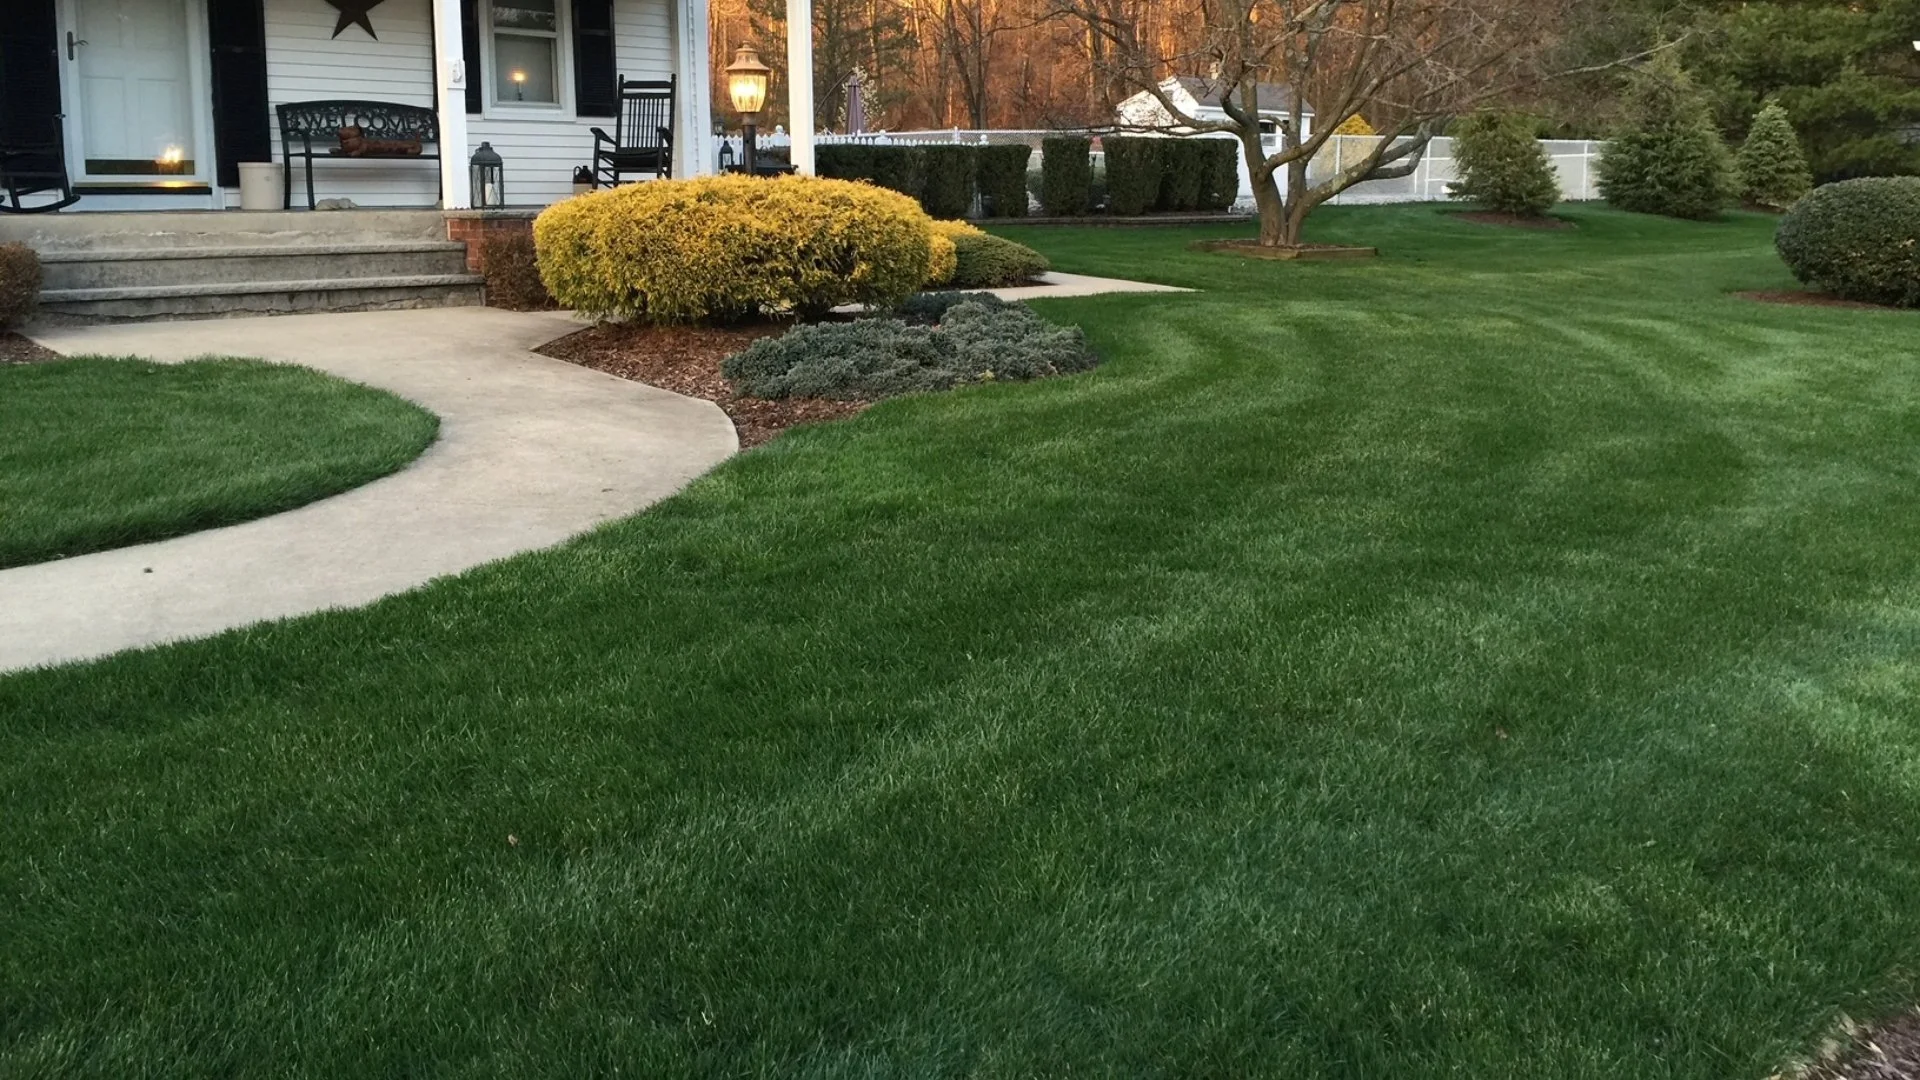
column 489, row 190
column 747, row 81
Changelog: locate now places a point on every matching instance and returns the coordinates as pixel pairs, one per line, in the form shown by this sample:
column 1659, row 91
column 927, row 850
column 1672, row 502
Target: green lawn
column 1498, row 660
column 99, row 453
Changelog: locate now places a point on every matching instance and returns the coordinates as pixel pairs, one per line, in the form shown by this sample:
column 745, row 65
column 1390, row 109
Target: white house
column 161, row 100
column 1199, row 98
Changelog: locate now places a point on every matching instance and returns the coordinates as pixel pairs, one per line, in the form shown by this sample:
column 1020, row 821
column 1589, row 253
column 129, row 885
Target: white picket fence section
column 1573, row 160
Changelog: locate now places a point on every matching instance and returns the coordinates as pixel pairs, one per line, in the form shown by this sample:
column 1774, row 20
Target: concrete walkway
column 1057, row 285
column 531, row 452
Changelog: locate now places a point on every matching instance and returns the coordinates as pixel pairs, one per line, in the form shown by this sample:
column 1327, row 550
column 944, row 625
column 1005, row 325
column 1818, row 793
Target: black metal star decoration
column 352, row 12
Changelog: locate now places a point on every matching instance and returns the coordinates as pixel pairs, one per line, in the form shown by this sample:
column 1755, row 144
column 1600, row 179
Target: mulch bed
column 1514, row 221
column 1808, row 298
column 15, row 349
column 686, row 360
column 1888, row 1052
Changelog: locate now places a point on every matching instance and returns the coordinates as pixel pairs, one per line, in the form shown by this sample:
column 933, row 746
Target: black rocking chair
column 32, row 165
column 642, row 139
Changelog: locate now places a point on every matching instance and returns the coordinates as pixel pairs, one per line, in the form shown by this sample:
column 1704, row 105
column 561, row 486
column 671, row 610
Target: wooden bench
column 356, row 130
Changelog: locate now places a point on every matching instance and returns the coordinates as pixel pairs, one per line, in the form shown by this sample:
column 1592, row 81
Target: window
column 526, row 52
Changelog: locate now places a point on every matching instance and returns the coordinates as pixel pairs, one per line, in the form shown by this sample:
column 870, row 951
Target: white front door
column 136, row 81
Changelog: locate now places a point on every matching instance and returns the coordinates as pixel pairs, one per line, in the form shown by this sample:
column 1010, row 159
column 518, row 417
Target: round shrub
column 725, row 247
column 1857, row 239
column 941, row 260
column 19, row 284
column 985, row 261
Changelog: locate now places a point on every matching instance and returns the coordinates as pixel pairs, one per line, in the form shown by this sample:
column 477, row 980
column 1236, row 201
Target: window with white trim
column 526, row 46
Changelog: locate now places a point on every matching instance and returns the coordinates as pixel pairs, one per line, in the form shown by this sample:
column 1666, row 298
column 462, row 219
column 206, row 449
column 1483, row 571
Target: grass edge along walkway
column 104, row 452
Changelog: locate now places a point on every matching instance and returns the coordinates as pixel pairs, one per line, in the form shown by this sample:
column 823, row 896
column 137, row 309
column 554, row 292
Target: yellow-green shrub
column 723, row 247
column 943, row 260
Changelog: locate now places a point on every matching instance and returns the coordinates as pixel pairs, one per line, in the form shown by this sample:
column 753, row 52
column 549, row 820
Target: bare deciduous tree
column 1409, row 64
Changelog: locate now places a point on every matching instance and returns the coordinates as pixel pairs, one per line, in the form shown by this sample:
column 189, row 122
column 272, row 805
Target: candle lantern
column 489, row 188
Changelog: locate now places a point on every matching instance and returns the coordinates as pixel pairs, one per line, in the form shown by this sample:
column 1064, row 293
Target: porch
column 158, row 102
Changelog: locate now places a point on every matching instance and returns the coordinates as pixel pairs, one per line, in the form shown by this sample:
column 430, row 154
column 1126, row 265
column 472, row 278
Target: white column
column 450, row 99
column 800, row 82
column 694, row 149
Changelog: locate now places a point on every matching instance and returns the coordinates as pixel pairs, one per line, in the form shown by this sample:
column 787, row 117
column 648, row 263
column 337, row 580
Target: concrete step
column 118, row 268
column 233, row 299
column 148, row 230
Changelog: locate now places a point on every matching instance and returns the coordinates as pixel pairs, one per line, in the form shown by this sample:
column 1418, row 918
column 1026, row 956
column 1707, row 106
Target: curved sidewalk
column 531, row 451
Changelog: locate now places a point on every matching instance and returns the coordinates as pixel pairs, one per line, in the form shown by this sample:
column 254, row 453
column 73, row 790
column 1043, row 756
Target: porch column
column 450, row 100
column 694, row 149
column 800, row 82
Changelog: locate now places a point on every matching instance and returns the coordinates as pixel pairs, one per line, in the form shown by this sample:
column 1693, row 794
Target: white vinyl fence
column 1573, row 161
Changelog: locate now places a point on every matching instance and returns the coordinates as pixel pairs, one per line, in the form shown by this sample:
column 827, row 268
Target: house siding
column 305, row 63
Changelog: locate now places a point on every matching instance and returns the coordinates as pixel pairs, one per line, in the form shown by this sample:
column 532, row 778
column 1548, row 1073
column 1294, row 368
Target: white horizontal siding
column 305, row 63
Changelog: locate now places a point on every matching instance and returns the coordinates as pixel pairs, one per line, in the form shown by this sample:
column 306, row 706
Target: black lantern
column 489, row 187
column 726, row 155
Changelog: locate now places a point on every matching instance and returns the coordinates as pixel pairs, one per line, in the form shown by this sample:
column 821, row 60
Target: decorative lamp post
column 489, row 190
column 747, row 81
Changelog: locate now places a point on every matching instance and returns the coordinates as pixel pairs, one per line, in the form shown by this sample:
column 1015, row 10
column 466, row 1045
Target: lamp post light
column 747, row 81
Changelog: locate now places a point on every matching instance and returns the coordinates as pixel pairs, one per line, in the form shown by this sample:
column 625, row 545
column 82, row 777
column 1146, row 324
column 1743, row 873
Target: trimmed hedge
column 1002, row 178
column 942, row 260
column 985, row 261
column 947, row 191
column 724, row 247
column 1183, row 173
column 1220, row 173
column 1066, row 175
column 896, row 168
column 1135, row 164
column 512, row 270
column 876, row 358
column 1857, row 239
column 19, row 284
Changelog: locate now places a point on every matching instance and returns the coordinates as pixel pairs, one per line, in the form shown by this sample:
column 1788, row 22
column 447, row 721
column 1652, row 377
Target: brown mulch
column 1890, row 1051
column 686, row 360
column 1514, row 221
column 1808, row 298
column 15, row 349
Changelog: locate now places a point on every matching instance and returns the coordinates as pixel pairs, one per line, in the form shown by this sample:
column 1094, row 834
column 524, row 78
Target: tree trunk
column 1280, row 218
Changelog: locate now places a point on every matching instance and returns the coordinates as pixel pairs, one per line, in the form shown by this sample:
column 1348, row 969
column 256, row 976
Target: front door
column 137, row 91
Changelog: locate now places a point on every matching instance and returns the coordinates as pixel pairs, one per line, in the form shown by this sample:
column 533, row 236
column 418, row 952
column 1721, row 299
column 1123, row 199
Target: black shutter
column 470, row 47
column 242, row 119
column 29, row 72
column 595, row 85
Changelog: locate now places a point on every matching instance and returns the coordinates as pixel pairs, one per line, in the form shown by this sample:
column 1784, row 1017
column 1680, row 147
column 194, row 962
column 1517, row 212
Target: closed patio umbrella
column 856, row 106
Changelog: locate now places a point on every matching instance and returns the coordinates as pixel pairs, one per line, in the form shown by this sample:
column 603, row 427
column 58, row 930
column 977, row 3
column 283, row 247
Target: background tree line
column 1845, row 70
